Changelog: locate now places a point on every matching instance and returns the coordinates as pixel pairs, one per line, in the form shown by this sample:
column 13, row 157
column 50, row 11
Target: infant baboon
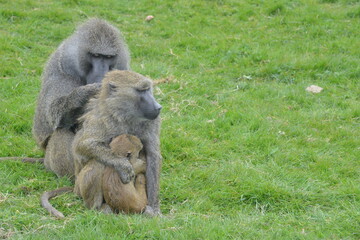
column 125, row 105
column 96, row 182
column 131, row 197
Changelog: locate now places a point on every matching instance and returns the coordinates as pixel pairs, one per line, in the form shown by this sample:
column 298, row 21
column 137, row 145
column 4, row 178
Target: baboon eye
column 109, row 56
column 112, row 86
column 95, row 55
column 128, row 154
column 142, row 90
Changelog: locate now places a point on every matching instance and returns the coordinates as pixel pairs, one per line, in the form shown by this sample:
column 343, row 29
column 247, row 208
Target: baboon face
column 98, row 65
column 99, row 48
column 149, row 107
column 127, row 146
column 98, row 58
column 131, row 94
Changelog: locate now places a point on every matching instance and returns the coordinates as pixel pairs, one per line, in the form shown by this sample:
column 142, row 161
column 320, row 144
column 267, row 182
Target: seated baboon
column 71, row 77
column 125, row 105
column 96, row 182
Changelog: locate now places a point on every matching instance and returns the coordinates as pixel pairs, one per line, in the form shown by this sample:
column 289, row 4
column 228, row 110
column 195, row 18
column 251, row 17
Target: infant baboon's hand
column 126, row 172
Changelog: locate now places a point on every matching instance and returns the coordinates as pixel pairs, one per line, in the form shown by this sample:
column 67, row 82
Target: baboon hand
column 126, row 172
column 92, row 89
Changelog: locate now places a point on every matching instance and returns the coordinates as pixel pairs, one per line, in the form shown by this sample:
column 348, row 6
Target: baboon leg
column 96, row 199
column 106, row 209
column 140, row 186
column 58, row 155
column 88, row 185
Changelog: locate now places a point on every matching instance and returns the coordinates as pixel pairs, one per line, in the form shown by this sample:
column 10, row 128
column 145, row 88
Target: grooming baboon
column 72, row 76
column 125, row 105
column 96, row 182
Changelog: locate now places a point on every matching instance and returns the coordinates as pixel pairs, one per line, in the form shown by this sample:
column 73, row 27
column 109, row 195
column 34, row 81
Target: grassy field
column 248, row 153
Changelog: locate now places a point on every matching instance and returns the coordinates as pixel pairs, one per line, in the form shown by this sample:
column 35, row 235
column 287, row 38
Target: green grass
column 248, row 153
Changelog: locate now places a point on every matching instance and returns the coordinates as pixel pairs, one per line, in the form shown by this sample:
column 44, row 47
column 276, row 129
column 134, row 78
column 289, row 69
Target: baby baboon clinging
column 131, row 197
column 95, row 182
column 125, row 105
column 72, row 76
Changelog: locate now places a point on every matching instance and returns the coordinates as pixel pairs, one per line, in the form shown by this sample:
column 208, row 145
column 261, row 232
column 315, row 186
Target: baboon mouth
column 153, row 115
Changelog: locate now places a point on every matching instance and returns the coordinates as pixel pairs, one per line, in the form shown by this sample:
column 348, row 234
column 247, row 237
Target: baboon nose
column 158, row 107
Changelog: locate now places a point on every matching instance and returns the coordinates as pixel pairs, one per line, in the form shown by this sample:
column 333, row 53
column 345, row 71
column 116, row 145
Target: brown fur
column 115, row 111
column 95, row 182
column 131, row 197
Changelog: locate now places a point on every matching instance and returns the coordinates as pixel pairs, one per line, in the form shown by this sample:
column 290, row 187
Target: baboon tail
column 48, row 195
column 26, row 159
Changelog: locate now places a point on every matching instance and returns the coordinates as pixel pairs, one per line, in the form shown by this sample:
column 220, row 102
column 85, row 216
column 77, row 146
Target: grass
column 248, row 153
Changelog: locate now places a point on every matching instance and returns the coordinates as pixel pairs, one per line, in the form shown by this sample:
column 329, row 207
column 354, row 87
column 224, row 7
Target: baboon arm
column 92, row 148
column 153, row 160
column 64, row 110
column 99, row 151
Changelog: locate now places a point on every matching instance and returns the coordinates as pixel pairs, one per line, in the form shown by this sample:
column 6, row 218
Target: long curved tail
column 48, row 195
column 23, row 159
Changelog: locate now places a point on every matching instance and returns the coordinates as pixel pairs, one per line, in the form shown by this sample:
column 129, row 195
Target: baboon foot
column 150, row 212
column 106, row 209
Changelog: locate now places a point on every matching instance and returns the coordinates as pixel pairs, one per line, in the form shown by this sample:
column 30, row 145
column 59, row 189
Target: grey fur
column 65, row 86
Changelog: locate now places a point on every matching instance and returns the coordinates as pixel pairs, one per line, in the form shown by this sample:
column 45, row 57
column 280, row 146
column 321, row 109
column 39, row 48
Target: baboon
column 131, row 197
column 71, row 77
column 125, row 105
column 96, row 182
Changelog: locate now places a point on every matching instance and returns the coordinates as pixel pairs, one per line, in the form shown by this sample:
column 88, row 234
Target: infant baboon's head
column 126, row 146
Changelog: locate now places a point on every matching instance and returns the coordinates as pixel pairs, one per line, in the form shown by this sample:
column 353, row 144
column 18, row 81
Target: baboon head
column 96, row 48
column 129, row 95
column 127, row 146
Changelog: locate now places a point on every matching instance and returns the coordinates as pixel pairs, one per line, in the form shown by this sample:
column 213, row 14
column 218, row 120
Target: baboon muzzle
column 149, row 106
column 99, row 68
